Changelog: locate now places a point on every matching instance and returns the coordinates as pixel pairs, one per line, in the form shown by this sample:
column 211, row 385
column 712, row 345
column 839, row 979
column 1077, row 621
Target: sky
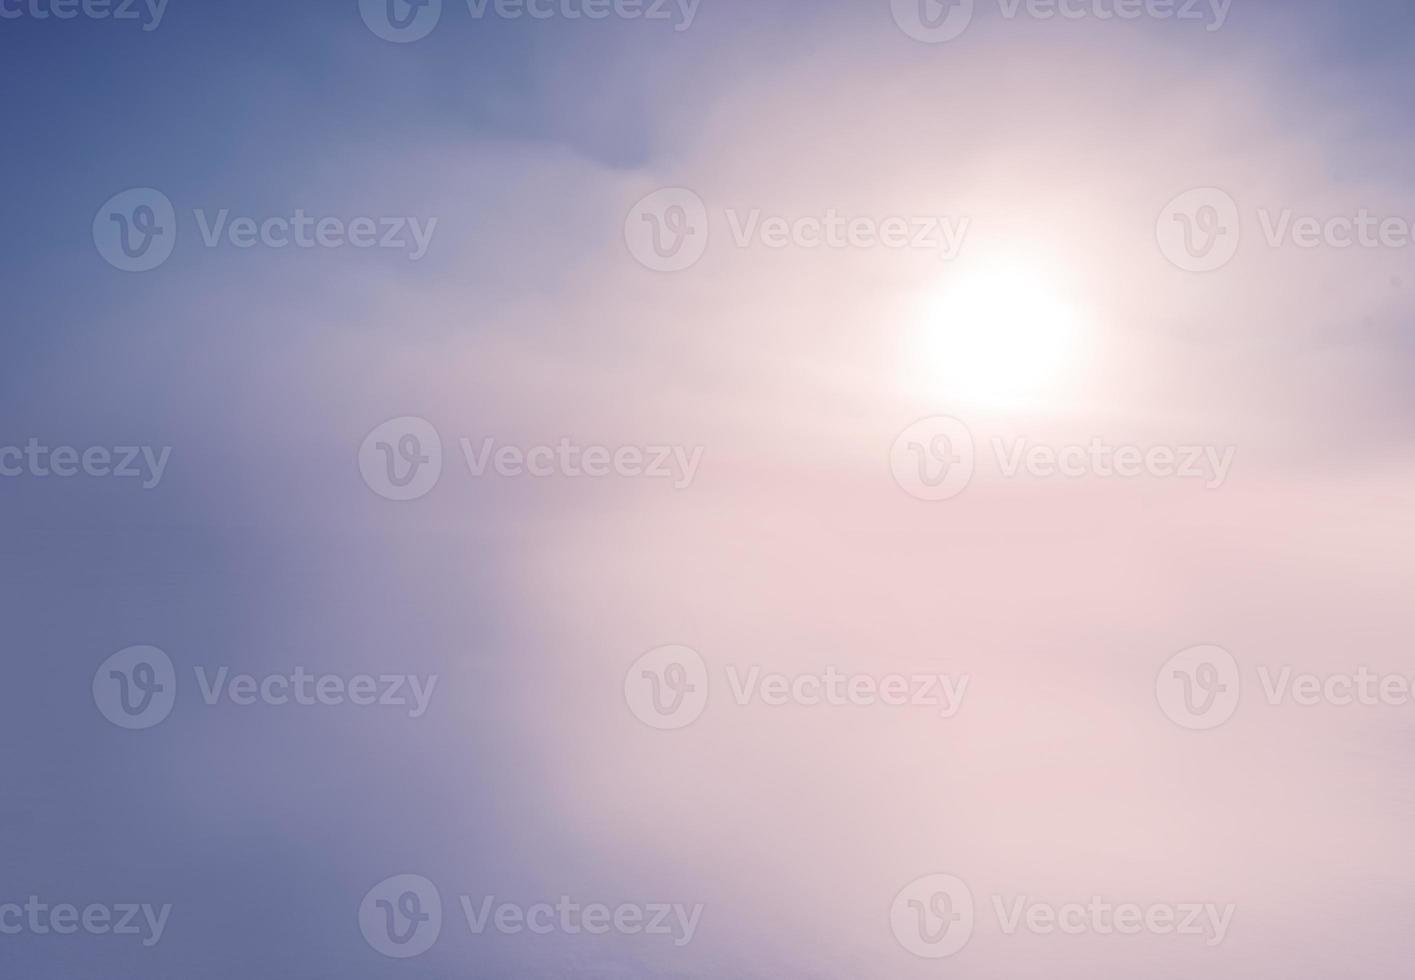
column 764, row 490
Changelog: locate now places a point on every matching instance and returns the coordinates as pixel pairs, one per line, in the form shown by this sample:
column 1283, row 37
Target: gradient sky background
column 530, row 321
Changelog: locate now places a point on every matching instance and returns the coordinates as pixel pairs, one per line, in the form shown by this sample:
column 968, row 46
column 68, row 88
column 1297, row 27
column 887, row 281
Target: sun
column 999, row 335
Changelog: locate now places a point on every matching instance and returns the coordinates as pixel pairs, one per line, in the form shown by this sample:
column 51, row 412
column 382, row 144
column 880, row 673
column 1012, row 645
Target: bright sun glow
column 997, row 336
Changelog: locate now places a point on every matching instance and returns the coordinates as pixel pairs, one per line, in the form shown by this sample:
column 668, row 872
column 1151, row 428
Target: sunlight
column 997, row 335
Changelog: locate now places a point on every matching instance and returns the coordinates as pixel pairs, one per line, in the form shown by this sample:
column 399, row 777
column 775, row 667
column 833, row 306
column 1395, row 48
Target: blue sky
column 528, row 321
